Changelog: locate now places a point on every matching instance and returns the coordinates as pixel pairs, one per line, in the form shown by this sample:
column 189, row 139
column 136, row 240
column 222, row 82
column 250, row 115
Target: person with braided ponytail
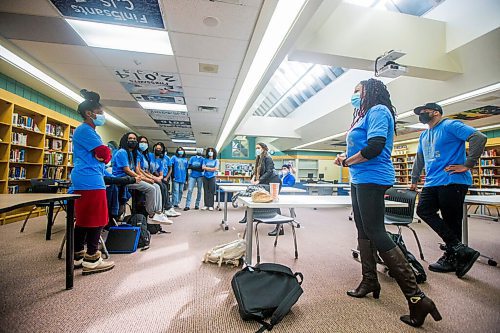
column 369, row 145
column 91, row 210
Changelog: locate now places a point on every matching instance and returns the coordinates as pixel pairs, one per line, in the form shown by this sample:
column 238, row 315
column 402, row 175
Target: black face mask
column 424, row 117
column 132, row 144
column 158, row 153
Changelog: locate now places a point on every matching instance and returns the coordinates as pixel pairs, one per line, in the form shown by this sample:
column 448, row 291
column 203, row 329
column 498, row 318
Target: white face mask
column 258, row 151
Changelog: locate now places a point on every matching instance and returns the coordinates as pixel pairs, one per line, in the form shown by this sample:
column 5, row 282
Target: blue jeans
column 177, row 193
column 198, row 182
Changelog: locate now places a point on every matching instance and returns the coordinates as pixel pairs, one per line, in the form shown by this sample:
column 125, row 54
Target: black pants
column 369, row 208
column 165, row 194
column 208, row 191
column 90, row 236
column 449, row 200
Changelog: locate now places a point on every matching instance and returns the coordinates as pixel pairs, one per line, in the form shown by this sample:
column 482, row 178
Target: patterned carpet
column 169, row 289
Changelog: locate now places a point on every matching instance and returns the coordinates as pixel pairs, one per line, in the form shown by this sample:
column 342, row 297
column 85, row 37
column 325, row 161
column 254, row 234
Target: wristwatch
column 344, row 163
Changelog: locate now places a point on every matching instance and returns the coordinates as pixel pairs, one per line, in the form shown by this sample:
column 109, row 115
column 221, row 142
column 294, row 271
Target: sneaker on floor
column 78, row 259
column 173, row 212
column 186, row 209
column 196, row 207
column 159, row 219
column 94, row 264
column 204, row 208
column 176, row 206
column 210, row 208
column 447, row 263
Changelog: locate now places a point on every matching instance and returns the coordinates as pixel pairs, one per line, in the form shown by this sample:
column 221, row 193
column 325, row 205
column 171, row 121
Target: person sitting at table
column 287, row 179
column 124, row 163
column 87, row 178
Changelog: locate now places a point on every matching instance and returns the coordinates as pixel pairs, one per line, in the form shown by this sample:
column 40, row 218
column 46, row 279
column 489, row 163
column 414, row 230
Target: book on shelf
column 13, row 189
column 70, row 160
column 70, row 148
column 19, row 138
column 23, row 121
column 71, row 132
column 485, row 163
column 57, row 144
column 54, row 158
column 17, row 172
column 17, row 155
column 54, row 130
column 52, row 172
column 489, row 153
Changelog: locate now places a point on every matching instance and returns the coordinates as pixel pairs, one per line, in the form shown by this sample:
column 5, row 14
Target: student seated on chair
column 287, row 179
column 124, row 163
column 87, row 177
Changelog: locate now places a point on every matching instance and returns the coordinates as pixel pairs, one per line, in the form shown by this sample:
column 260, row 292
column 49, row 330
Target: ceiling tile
column 202, row 81
column 118, row 59
column 206, row 93
column 234, row 21
column 195, row 46
column 29, row 7
column 81, row 71
column 137, row 116
column 197, row 101
column 227, row 69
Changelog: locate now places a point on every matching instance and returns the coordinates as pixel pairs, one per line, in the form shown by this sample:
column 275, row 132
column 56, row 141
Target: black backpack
column 417, row 268
column 266, row 290
column 139, row 220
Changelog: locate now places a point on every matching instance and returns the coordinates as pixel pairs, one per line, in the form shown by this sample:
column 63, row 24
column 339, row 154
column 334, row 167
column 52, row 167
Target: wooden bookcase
column 403, row 161
column 34, row 143
column 486, row 174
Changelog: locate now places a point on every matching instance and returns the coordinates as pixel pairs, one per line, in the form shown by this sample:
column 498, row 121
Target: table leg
column 465, row 225
column 249, row 238
column 224, row 220
column 50, row 222
column 70, row 236
column 218, row 196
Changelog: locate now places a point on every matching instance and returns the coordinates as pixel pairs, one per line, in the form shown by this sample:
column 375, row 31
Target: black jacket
column 267, row 173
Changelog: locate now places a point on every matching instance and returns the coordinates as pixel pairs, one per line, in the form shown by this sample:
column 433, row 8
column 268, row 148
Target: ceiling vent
column 208, row 68
column 206, row 133
column 203, row 108
column 230, row 2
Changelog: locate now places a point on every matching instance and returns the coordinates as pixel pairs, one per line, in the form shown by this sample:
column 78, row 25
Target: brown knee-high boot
column 420, row 305
column 369, row 283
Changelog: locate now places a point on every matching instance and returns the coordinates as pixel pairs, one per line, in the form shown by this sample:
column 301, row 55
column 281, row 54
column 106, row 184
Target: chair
column 270, row 216
column 43, row 185
column 325, row 190
column 402, row 216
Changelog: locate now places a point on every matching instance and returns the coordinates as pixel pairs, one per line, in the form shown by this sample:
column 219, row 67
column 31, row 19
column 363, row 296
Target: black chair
column 270, row 216
column 44, row 185
column 402, row 216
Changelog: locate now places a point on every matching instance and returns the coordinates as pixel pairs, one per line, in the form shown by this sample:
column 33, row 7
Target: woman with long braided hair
column 369, row 146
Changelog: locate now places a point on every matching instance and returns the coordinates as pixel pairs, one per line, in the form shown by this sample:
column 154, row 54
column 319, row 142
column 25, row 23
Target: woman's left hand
column 340, row 158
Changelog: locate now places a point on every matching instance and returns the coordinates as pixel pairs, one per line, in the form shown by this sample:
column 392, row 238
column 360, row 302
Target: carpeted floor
column 168, row 289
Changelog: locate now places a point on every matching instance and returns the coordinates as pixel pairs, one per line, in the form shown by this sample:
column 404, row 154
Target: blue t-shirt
column 88, row 172
column 144, row 161
column 211, row 164
column 288, row 180
column 442, row 146
column 179, row 165
column 196, row 161
column 156, row 164
column 167, row 162
column 123, row 158
column 378, row 121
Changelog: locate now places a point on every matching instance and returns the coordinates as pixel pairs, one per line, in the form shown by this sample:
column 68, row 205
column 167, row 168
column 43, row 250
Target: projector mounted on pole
column 386, row 67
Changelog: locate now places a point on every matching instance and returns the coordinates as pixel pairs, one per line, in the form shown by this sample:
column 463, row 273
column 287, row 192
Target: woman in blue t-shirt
column 159, row 167
column 210, row 168
column 87, row 178
column 179, row 167
column 195, row 178
column 369, row 146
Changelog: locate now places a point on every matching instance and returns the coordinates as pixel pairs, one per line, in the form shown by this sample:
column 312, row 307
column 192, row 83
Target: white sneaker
column 159, row 219
column 204, row 208
column 173, row 212
column 169, row 213
column 210, row 208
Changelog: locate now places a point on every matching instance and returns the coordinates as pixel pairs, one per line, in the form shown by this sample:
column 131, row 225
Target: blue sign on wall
column 137, row 13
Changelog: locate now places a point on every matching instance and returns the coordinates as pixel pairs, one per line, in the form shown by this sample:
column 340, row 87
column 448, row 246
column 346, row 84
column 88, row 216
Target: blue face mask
column 356, row 101
column 143, row 146
column 99, row 120
column 210, row 154
column 257, row 152
column 181, row 153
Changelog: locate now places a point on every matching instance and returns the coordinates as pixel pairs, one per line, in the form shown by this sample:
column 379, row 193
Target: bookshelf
column 486, row 173
column 35, row 142
column 403, row 161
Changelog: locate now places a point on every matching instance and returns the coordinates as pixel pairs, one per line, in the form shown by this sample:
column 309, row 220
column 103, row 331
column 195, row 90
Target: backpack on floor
column 230, row 253
column 266, row 290
column 415, row 265
column 139, row 220
column 155, row 229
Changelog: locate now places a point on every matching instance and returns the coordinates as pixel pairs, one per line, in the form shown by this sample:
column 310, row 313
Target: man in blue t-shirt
column 195, row 178
column 441, row 150
column 287, row 179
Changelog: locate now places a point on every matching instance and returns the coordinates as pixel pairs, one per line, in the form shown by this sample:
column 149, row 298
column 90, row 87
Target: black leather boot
column 369, row 283
column 466, row 257
column 420, row 305
column 275, row 231
column 447, row 263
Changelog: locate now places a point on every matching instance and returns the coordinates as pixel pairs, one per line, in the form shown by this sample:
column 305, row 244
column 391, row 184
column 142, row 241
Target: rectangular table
column 295, row 201
column 218, row 185
column 310, row 187
column 10, row 202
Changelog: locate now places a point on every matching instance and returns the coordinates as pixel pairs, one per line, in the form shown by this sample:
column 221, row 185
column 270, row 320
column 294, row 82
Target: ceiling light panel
column 163, row 106
column 110, row 36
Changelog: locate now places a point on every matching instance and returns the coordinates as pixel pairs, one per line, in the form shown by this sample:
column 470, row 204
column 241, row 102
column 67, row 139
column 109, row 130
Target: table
column 311, row 186
column 484, row 191
column 493, row 200
column 295, row 201
column 218, row 184
column 10, row 202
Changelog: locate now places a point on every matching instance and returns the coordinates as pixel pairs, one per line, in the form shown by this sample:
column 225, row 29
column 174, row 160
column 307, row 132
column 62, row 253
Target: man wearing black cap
column 441, row 150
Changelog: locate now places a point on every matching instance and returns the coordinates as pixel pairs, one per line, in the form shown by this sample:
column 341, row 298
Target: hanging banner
column 176, row 135
column 136, row 13
column 152, row 86
column 168, row 115
column 173, row 124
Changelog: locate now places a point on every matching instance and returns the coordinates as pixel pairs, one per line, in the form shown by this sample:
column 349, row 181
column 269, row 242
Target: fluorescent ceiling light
column 338, row 135
column 282, row 20
column 488, row 127
column 163, row 106
column 418, row 126
column 119, row 37
column 183, row 141
column 38, row 74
